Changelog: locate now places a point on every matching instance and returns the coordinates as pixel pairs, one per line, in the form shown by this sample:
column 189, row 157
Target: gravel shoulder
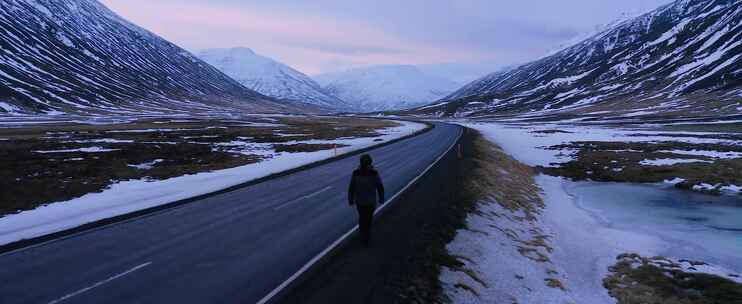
column 408, row 247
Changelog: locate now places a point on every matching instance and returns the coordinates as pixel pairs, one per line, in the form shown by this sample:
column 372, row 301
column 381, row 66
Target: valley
column 61, row 161
column 79, row 168
column 205, row 155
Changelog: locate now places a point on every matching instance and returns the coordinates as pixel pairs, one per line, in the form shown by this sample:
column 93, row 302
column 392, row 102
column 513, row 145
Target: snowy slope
column 386, row 87
column 683, row 59
column 78, row 56
column 269, row 77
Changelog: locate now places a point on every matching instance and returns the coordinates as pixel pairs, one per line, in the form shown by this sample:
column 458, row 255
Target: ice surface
column 589, row 224
column 583, row 248
column 690, row 225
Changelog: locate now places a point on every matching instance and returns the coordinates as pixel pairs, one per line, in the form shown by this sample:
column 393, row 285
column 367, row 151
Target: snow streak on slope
column 78, row 56
column 682, row 58
column 386, row 87
column 269, row 77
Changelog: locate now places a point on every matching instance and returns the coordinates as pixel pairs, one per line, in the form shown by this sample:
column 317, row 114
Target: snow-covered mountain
column 681, row 59
column 270, row 77
column 386, row 87
column 77, row 56
column 459, row 72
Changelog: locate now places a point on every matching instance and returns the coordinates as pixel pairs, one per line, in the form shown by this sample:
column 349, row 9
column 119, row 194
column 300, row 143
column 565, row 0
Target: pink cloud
column 298, row 40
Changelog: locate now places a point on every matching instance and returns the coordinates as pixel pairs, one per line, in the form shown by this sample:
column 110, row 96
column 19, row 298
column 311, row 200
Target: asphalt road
column 229, row 248
column 409, row 241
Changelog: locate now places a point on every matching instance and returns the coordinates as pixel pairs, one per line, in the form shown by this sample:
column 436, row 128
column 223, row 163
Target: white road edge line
column 86, row 289
column 337, row 242
column 286, row 204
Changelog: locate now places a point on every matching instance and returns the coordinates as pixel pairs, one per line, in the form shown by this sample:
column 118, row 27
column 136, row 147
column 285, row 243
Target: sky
column 465, row 38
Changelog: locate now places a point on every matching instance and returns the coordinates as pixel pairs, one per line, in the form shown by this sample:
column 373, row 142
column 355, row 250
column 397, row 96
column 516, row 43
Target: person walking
column 365, row 190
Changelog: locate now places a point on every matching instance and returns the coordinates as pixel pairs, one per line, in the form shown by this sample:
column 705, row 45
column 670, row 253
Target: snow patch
column 147, row 165
column 65, row 40
column 585, row 240
column 708, row 153
column 84, row 150
column 530, row 150
column 671, row 33
column 568, row 80
column 9, row 108
column 100, row 141
column 670, row 161
column 130, row 196
column 674, row 181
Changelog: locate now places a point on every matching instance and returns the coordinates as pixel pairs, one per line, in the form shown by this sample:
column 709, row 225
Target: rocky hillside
column 77, row 56
column 270, row 77
column 681, row 59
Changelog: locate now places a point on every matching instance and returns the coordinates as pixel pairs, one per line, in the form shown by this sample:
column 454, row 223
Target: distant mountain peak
column 242, row 50
column 270, row 77
column 386, row 87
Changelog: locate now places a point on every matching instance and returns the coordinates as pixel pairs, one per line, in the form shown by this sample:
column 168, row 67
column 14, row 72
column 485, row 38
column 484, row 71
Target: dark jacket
column 365, row 188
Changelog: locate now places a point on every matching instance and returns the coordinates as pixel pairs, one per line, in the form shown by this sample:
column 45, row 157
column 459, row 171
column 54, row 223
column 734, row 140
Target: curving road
column 234, row 247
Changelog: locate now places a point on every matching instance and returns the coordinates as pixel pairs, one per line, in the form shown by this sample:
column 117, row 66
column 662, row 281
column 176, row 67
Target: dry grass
column 554, row 283
column 550, row 131
column 638, row 280
column 724, row 128
column 502, row 179
column 621, row 162
column 185, row 146
column 497, row 178
column 467, row 288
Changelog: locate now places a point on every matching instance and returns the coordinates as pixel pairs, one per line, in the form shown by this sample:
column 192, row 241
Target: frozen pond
column 694, row 226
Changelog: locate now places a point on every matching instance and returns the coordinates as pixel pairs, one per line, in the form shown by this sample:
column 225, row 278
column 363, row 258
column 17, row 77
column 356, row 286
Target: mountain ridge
column 385, row 87
column 80, row 57
column 270, row 77
column 680, row 59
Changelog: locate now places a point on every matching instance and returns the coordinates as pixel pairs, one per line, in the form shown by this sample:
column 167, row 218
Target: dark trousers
column 365, row 219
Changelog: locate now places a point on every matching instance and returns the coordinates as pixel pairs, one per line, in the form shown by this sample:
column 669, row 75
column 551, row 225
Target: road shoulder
column 408, row 246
